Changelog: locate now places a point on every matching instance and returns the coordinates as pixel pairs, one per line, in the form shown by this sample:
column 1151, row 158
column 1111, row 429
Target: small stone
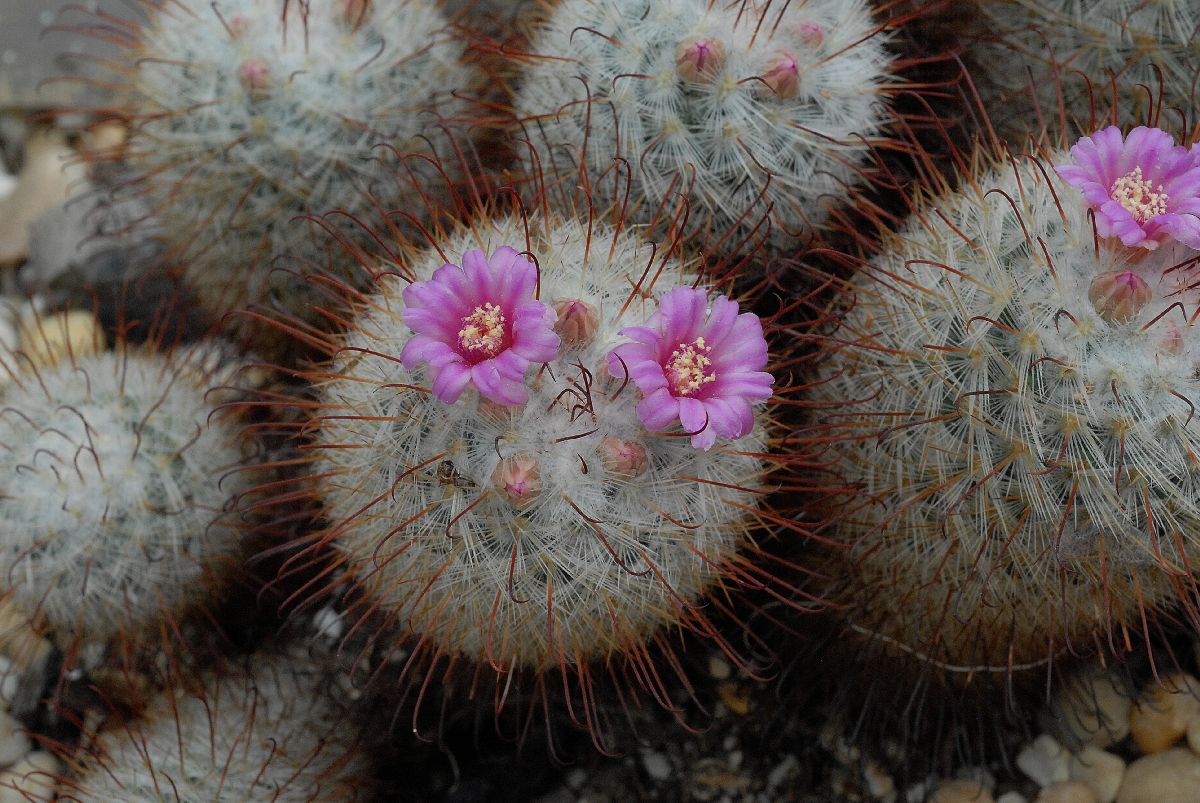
column 1101, row 771
column 10, row 682
column 14, row 742
column 980, row 774
column 1091, row 709
column 1193, row 735
column 46, row 180
column 734, row 700
column 879, row 783
column 1067, row 792
column 656, row 764
column 961, row 792
column 1162, row 713
column 719, row 668
column 33, row 778
column 50, row 339
column 1172, row 776
column 1045, row 761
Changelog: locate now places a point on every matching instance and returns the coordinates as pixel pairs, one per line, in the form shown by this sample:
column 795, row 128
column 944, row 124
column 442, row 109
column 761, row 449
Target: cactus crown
column 749, row 111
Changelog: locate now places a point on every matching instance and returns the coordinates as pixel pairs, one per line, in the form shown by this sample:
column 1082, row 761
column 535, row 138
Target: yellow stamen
column 483, row 330
column 689, row 368
column 1138, row 196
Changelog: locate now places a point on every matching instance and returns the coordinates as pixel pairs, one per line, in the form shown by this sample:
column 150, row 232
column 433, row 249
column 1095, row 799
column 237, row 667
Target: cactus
column 1083, row 52
column 1011, row 390
column 760, row 114
column 508, row 498
column 115, row 501
column 273, row 732
column 251, row 113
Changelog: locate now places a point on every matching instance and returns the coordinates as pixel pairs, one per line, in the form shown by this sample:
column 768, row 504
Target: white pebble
column 1067, row 792
column 656, row 764
column 1163, row 712
column 1045, row 761
column 1012, row 797
column 14, row 742
column 1101, row 771
column 961, row 792
column 33, row 778
column 1172, row 776
column 879, row 784
column 1093, row 709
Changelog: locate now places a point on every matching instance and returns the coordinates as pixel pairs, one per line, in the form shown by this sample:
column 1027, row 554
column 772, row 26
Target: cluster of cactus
column 1012, row 392
column 118, row 516
column 249, row 114
column 538, row 445
column 757, row 116
column 1087, row 55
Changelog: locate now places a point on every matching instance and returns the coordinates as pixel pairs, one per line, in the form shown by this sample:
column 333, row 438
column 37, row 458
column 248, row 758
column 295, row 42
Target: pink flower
column 479, row 323
column 698, row 366
column 1144, row 187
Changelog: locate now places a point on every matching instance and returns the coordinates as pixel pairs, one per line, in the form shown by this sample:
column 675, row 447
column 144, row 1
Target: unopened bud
column 238, row 26
column 1119, row 295
column 353, row 13
column 1172, row 339
column 577, row 321
column 783, row 77
column 255, row 77
column 519, row 479
column 810, row 33
column 619, row 456
column 699, row 59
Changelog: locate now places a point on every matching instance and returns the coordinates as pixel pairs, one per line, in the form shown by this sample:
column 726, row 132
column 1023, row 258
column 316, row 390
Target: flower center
column 690, row 368
column 482, row 331
column 1138, row 196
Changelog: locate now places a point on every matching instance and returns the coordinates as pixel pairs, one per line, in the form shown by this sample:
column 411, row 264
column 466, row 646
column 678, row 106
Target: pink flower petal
column 658, row 409
column 696, row 365
column 695, row 419
column 450, row 382
column 511, row 329
column 1144, row 188
column 495, row 385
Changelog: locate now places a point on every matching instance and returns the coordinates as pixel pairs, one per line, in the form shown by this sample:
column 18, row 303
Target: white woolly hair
column 1073, row 45
column 269, row 734
column 599, row 561
column 230, row 166
column 115, row 507
column 1028, row 469
column 608, row 92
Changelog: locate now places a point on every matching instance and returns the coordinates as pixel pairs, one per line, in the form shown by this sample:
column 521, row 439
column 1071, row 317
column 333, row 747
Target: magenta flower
column 698, row 366
column 479, row 323
column 1144, row 187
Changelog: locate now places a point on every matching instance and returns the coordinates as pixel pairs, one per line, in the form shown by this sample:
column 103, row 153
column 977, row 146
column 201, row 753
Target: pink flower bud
column 519, row 479
column 1119, row 295
column 810, row 33
column 1172, row 339
column 238, row 26
column 255, row 76
column 783, row 77
column 699, row 59
column 353, row 13
column 577, row 321
column 626, row 458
